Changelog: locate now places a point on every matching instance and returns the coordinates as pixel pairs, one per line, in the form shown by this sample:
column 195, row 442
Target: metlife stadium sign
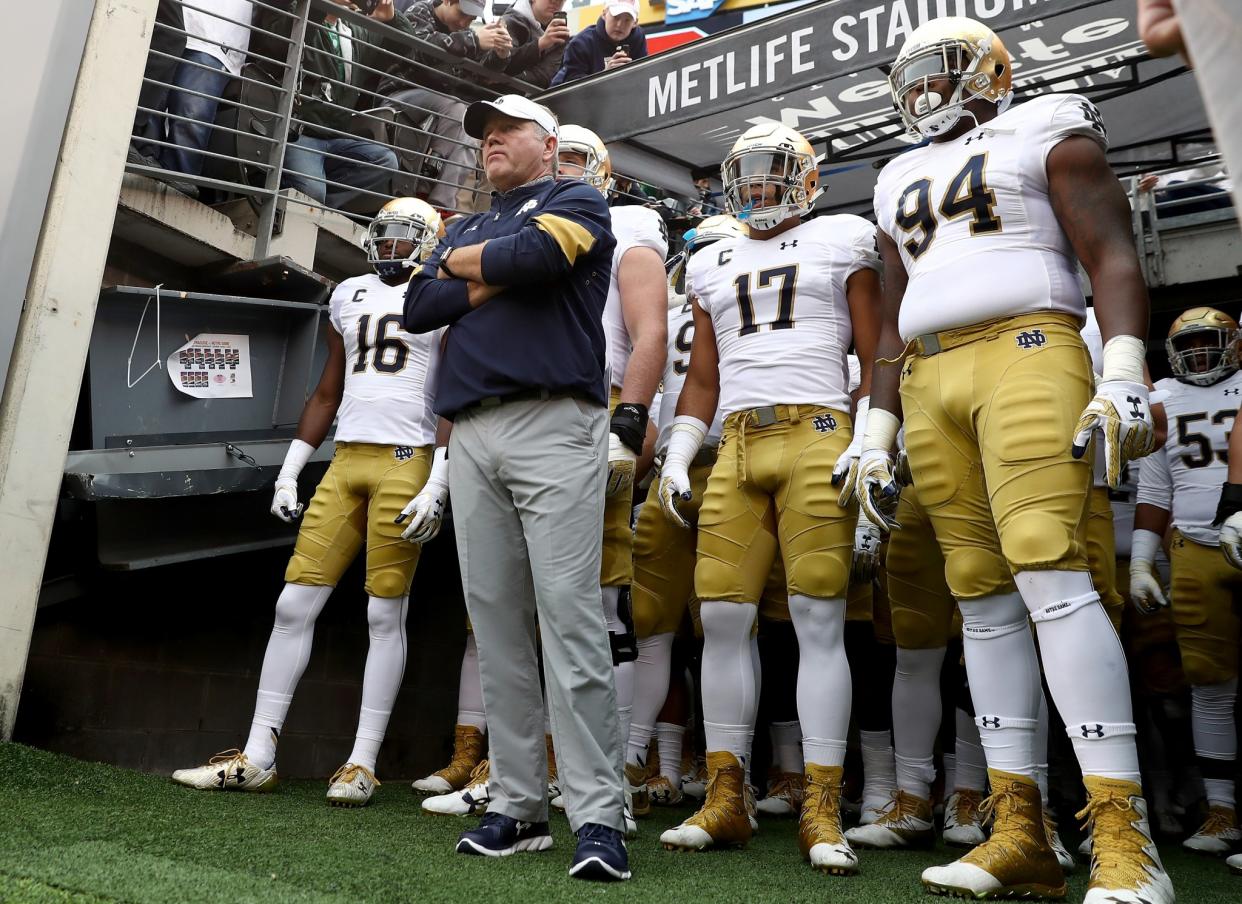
column 689, row 10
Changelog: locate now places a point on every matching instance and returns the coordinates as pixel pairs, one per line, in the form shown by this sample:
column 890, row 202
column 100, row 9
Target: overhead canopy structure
column 822, row 70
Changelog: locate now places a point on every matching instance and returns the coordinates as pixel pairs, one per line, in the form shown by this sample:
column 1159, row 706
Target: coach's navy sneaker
column 601, row 855
column 498, row 835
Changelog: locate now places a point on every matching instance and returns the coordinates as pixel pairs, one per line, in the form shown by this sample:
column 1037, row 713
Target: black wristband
column 444, row 263
column 1230, row 502
column 629, row 422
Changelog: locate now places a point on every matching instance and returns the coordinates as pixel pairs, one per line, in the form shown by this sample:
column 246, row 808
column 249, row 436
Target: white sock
column 1086, row 670
column 950, row 772
column 1041, row 749
column 916, row 718
column 786, row 746
column 823, row 678
column 381, row 680
column 671, row 738
column 972, row 767
column 651, row 674
column 728, row 677
column 288, row 651
column 881, row 771
column 1003, row 671
column 1215, row 738
column 1219, row 792
column 623, row 674
column 470, row 688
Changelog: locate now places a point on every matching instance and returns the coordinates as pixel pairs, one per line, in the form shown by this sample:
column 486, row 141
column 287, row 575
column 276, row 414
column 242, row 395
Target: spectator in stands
column 324, row 152
column 450, row 153
column 538, row 40
column 705, row 203
column 616, row 40
column 215, row 49
column 167, row 45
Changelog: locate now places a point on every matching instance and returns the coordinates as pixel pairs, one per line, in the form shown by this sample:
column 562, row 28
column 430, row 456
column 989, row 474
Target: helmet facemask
column 594, row 171
column 753, row 175
column 955, row 62
column 1203, row 363
column 384, row 238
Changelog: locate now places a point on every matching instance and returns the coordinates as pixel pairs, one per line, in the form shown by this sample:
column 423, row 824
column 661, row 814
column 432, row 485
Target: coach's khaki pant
column 527, row 482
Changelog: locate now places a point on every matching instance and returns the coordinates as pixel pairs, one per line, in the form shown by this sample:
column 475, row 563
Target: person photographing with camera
column 616, row 40
column 539, row 33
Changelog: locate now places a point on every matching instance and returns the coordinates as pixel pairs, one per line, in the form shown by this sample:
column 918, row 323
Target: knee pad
column 1201, row 668
column 972, row 572
column 389, row 583
column 1062, row 608
column 1033, row 539
column 917, row 630
column 824, row 575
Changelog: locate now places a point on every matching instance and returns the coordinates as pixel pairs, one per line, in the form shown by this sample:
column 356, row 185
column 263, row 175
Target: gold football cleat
column 819, row 829
column 1125, row 866
column 1016, row 861
column 722, row 821
column 469, row 745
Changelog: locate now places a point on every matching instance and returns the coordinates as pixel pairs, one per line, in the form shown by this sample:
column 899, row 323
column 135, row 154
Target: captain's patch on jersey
column 402, row 453
column 824, row 423
column 1031, row 339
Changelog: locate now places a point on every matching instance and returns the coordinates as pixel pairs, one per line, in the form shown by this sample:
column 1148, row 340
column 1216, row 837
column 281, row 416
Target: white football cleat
column 471, row 800
column 631, row 824
column 694, row 783
column 1084, row 846
column 352, row 786
column 1219, row 834
column 227, row 771
column 1064, row 857
column 1235, row 864
column 962, row 825
column 905, row 823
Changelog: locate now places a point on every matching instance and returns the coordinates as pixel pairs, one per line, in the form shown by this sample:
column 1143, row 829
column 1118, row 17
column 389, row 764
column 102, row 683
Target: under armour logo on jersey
column 792, row 244
column 529, row 205
column 990, row 721
column 1089, row 732
column 403, row 453
column 1136, row 407
column 824, row 423
column 979, row 137
column 1233, row 391
column 1031, row 339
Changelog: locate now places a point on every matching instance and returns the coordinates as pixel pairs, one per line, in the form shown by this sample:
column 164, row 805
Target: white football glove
column 285, row 505
column 1145, row 591
column 1120, row 410
column 1231, row 539
column 683, row 444
column 867, row 540
column 427, row 508
column 846, row 468
column 622, row 463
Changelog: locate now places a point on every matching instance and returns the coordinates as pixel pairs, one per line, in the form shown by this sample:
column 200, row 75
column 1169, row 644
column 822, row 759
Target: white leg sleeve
column 470, row 689
column 623, row 674
column 916, row 718
column 728, row 677
column 824, row 689
column 381, row 679
column 651, row 674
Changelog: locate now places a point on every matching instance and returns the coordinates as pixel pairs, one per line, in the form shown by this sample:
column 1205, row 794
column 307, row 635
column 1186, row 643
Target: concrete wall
column 157, row 670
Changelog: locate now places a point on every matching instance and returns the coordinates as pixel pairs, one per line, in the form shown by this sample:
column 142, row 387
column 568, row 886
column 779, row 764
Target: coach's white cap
column 510, row 105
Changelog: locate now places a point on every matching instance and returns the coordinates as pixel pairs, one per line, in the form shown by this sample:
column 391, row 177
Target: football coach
column 522, row 377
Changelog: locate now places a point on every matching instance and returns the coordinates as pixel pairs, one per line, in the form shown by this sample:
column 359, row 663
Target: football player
column 664, row 553
column 469, row 732
column 981, row 229
column 1179, row 483
column 635, row 328
column 378, row 379
column 774, row 316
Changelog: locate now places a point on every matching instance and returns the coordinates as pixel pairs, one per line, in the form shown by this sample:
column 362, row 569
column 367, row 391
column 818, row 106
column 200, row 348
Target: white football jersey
column 1185, row 475
column 974, row 224
column 855, row 367
column 389, row 373
column 676, row 366
column 780, row 313
column 633, row 227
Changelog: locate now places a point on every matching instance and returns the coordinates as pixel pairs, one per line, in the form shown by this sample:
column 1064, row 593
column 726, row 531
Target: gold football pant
column 1205, row 595
column 366, row 487
column 664, row 556
column 771, row 491
column 1102, row 554
column 922, row 606
column 617, row 563
column 989, row 420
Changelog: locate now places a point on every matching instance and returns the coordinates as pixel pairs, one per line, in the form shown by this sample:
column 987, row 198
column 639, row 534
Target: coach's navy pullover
column 550, row 243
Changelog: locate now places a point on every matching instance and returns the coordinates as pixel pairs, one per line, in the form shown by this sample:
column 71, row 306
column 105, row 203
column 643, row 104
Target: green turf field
column 83, row 832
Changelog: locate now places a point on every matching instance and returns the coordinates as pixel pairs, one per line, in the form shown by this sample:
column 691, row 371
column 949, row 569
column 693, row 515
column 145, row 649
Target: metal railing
column 370, row 112
column 1188, row 202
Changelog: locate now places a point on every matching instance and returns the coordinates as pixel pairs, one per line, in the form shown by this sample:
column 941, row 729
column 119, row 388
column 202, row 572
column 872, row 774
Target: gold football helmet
column 710, row 229
column 1203, row 346
column 770, row 175
column 962, row 51
column 597, row 170
column 402, row 220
